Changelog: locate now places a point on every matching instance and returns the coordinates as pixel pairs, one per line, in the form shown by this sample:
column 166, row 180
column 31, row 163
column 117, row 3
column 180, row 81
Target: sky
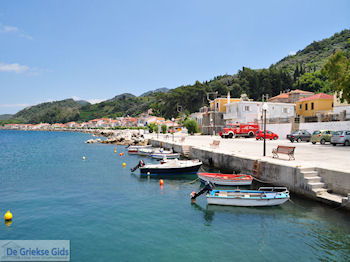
column 94, row 50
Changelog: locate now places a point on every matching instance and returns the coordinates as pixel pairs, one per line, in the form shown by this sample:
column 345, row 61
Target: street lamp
column 173, row 127
column 264, row 108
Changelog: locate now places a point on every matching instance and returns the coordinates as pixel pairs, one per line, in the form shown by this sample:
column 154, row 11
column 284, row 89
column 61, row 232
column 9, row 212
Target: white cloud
column 91, row 100
column 14, row 105
column 95, row 100
column 9, row 29
column 17, row 68
column 292, row 53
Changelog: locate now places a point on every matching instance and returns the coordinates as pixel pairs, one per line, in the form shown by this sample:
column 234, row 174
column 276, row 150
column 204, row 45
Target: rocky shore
column 119, row 137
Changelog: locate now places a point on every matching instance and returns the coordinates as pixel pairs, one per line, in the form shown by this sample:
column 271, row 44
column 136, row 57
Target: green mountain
column 301, row 70
column 314, row 56
column 51, row 112
column 5, row 116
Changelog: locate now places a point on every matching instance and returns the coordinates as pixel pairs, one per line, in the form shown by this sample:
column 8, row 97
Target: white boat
column 170, row 167
column 135, row 149
column 165, row 155
column 265, row 196
column 149, row 151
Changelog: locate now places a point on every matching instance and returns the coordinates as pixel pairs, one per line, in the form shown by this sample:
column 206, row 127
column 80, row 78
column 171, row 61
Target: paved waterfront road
column 306, row 154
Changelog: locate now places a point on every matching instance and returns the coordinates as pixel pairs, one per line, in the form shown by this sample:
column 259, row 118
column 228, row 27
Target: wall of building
column 318, row 105
column 334, row 126
column 280, row 129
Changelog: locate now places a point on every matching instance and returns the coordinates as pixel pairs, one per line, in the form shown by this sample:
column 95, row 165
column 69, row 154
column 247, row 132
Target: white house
column 251, row 111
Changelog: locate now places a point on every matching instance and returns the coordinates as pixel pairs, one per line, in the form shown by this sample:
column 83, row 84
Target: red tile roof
column 283, row 95
column 317, row 96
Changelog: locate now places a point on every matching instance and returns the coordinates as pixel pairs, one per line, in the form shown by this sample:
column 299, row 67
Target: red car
column 269, row 135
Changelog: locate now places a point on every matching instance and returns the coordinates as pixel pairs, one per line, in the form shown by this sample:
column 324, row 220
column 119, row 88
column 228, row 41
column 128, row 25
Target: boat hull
column 226, row 180
column 245, row 202
column 168, row 156
column 175, row 171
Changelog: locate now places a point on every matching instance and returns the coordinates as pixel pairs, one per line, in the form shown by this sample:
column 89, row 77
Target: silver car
column 341, row 137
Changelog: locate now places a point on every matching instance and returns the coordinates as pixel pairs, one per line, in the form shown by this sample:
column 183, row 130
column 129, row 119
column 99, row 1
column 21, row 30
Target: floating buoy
column 121, row 154
column 161, row 182
column 124, row 164
column 8, row 216
column 115, row 150
column 84, row 157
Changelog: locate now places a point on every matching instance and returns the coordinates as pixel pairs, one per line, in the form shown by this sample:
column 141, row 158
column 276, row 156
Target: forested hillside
column 51, row 112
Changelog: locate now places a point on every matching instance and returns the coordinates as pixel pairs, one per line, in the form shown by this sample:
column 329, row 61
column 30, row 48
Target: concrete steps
column 313, row 180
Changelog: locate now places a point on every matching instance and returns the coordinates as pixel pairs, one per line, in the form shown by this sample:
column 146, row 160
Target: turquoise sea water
column 110, row 215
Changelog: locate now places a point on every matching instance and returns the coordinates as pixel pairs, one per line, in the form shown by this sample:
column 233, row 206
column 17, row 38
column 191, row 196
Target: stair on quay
column 314, row 183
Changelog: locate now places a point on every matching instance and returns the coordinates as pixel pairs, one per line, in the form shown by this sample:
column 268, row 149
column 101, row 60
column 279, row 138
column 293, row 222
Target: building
column 251, row 111
column 219, row 104
column 291, row 97
column 317, row 104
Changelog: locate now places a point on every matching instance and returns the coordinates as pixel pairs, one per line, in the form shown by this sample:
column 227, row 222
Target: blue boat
column 265, row 196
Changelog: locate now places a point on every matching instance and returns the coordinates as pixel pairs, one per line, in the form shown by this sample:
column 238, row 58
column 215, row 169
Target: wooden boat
column 169, row 167
column 265, row 196
column 226, row 179
column 135, row 149
column 165, row 155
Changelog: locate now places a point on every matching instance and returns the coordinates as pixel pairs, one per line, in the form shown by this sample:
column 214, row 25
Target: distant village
column 296, row 106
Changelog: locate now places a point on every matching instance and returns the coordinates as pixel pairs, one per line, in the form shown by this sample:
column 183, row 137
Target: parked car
column 269, row 135
column 299, row 135
column 341, row 137
column 245, row 130
column 321, row 136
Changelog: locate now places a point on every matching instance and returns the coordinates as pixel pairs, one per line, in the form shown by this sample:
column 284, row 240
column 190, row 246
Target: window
column 332, row 105
column 305, row 106
column 285, row 110
column 312, row 106
column 217, row 105
column 246, row 108
column 300, row 106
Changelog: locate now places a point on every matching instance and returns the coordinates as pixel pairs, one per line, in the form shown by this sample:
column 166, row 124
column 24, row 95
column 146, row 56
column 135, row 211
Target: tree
column 191, row 125
column 313, row 82
column 164, row 128
column 152, row 127
column 337, row 69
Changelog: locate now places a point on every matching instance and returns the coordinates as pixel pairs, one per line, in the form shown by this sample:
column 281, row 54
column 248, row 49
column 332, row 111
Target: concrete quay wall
column 276, row 174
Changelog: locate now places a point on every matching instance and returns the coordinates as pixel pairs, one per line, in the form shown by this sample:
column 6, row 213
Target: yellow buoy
column 8, row 216
column 115, row 150
column 124, row 164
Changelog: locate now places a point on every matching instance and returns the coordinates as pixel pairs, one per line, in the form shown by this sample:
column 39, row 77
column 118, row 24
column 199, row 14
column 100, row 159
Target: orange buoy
column 121, row 154
column 161, row 182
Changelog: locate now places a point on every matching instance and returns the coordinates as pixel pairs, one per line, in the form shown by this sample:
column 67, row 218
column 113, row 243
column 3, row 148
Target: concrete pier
column 329, row 186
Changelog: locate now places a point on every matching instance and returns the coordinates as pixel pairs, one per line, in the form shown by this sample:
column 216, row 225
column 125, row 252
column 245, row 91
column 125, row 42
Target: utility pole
column 264, row 108
column 215, row 95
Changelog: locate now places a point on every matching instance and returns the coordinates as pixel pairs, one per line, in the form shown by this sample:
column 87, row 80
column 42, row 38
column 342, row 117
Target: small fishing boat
column 149, row 151
column 135, row 149
column 169, row 167
column 265, row 196
column 226, row 179
column 165, row 155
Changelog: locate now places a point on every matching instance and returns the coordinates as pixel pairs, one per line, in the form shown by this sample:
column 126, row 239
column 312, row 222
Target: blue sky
column 93, row 50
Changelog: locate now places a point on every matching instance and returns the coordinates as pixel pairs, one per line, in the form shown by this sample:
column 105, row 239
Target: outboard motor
column 209, row 186
column 140, row 164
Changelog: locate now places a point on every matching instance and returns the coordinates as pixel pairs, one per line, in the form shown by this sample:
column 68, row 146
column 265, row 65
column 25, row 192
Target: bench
column 215, row 143
column 287, row 150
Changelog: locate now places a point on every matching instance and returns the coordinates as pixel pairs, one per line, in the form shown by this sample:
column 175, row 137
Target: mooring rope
column 191, row 182
column 262, row 181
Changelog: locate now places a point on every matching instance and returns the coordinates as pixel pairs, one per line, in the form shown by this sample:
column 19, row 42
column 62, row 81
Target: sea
column 111, row 214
